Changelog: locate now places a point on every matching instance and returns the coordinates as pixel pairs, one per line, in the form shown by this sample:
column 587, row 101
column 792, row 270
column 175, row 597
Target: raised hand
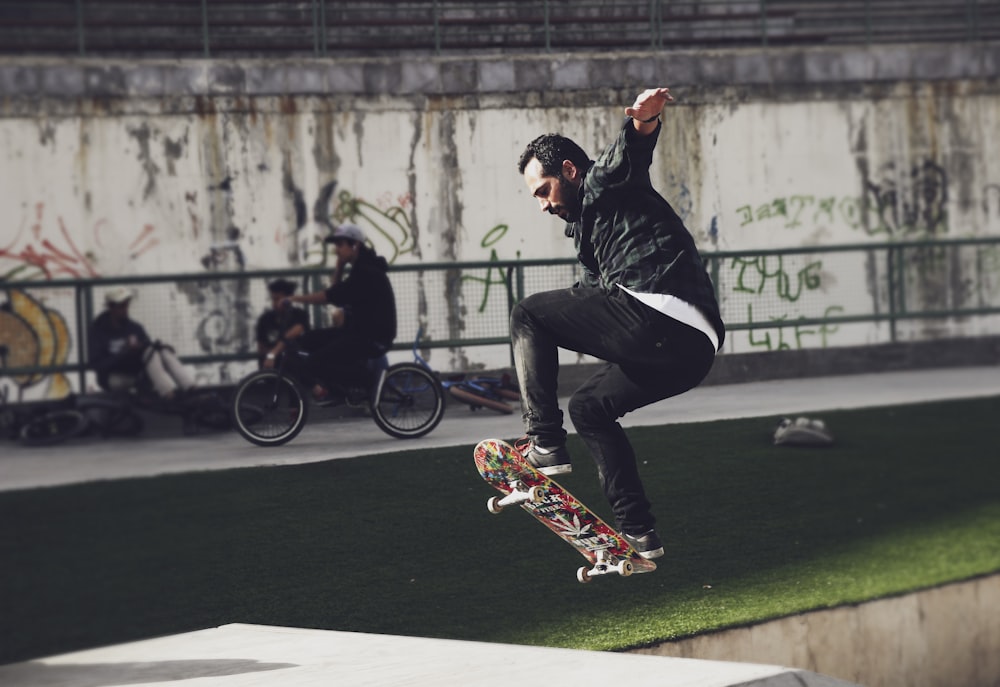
column 649, row 104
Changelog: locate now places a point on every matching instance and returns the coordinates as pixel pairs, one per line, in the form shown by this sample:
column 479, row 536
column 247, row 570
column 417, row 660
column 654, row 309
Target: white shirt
column 677, row 309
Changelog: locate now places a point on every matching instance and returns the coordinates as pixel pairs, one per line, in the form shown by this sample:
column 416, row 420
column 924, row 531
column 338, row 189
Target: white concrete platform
column 265, row 656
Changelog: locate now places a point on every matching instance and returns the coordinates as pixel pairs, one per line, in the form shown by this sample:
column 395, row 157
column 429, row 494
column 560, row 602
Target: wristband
column 270, row 356
column 647, row 121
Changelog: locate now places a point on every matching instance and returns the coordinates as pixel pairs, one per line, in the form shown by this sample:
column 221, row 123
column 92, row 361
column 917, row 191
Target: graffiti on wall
column 908, row 201
column 495, row 275
column 33, row 335
column 387, row 222
column 44, row 253
column 767, row 282
column 753, row 275
column 788, row 334
column 222, row 306
column 898, row 202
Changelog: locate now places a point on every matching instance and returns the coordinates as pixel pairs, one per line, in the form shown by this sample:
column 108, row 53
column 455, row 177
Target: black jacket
column 368, row 300
column 108, row 349
column 629, row 235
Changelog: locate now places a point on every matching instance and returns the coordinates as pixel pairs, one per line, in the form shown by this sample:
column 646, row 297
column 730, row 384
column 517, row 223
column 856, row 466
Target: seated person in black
column 281, row 323
column 120, row 351
column 365, row 318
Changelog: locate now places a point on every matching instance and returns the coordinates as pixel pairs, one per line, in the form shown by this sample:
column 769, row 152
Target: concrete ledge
column 943, row 636
column 262, row 656
column 464, row 75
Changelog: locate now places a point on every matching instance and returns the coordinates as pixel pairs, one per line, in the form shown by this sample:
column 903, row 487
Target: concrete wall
column 943, row 636
column 116, row 168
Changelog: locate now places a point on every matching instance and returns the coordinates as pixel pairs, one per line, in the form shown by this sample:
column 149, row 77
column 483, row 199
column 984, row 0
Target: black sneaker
column 648, row 545
column 548, row 461
column 328, row 400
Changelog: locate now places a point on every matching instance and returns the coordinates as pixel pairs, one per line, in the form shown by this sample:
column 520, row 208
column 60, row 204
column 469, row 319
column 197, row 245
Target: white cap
column 351, row 232
column 118, row 294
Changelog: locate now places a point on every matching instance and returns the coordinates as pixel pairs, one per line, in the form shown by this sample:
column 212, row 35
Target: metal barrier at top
column 815, row 297
column 320, row 28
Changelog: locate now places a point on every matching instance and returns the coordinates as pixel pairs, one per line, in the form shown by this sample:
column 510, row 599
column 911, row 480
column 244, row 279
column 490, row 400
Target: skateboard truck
column 606, row 565
column 518, row 495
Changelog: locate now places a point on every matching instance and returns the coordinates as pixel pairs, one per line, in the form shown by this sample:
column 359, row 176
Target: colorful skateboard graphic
column 502, row 466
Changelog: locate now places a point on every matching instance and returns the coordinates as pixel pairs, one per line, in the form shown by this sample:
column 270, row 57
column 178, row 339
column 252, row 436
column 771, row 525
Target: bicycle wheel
column 474, row 399
column 209, row 410
column 53, row 427
column 408, row 401
column 122, row 422
column 112, row 417
column 269, row 409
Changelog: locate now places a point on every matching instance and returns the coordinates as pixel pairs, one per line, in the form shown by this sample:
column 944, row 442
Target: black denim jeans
column 648, row 357
column 337, row 358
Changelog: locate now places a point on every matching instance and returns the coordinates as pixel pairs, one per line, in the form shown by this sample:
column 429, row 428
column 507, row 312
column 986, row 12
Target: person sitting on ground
column 121, row 351
column 280, row 324
column 364, row 320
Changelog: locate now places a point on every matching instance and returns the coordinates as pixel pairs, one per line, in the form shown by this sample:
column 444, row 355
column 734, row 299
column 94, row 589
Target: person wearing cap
column 120, row 351
column 280, row 324
column 365, row 318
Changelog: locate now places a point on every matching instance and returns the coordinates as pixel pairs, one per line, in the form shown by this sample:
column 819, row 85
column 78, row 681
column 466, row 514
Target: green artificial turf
column 909, row 497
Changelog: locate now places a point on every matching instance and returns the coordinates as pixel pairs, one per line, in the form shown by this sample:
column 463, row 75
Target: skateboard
column 607, row 551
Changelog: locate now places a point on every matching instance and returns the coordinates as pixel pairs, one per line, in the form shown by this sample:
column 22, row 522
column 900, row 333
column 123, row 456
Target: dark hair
column 551, row 150
column 282, row 286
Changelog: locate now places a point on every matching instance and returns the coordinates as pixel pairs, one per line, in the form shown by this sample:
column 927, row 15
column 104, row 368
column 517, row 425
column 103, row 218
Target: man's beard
column 570, row 210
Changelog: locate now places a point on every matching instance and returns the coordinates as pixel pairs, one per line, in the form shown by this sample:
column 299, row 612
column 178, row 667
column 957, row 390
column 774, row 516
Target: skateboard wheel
column 536, row 494
column 583, row 575
column 493, row 505
column 625, row 568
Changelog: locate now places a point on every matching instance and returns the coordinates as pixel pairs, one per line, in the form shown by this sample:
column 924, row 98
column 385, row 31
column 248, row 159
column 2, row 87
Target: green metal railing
column 781, row 298
column 903, row 281
column 321, row 28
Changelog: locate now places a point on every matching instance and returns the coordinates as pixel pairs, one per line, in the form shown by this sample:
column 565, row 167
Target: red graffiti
column 52, row 260
column 50, row 257
column 143, row 242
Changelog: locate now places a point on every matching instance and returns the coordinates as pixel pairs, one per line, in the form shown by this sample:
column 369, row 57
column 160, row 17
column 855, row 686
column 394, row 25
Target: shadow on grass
column 403, row 544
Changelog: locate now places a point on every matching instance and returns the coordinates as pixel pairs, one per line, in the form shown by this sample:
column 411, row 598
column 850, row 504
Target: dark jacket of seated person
column 364, row 316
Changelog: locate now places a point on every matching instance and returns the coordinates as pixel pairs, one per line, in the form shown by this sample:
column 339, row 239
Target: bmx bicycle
column 270, row 408
column 106, row 414
column 494, row 393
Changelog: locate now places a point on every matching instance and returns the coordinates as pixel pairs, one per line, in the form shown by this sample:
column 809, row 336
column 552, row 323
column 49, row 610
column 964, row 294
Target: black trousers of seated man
column 647, row 356
column 337, row 358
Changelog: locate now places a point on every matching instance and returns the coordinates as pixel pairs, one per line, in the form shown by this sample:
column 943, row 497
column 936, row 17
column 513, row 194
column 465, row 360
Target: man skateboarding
column 645, row 305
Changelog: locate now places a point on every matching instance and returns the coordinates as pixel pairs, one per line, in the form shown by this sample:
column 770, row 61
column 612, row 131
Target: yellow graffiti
column 34, row 336
column 18, row 343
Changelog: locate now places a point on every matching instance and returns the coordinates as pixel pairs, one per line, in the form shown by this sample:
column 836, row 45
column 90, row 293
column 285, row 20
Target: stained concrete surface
column 265, row 656
column 943, row 637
